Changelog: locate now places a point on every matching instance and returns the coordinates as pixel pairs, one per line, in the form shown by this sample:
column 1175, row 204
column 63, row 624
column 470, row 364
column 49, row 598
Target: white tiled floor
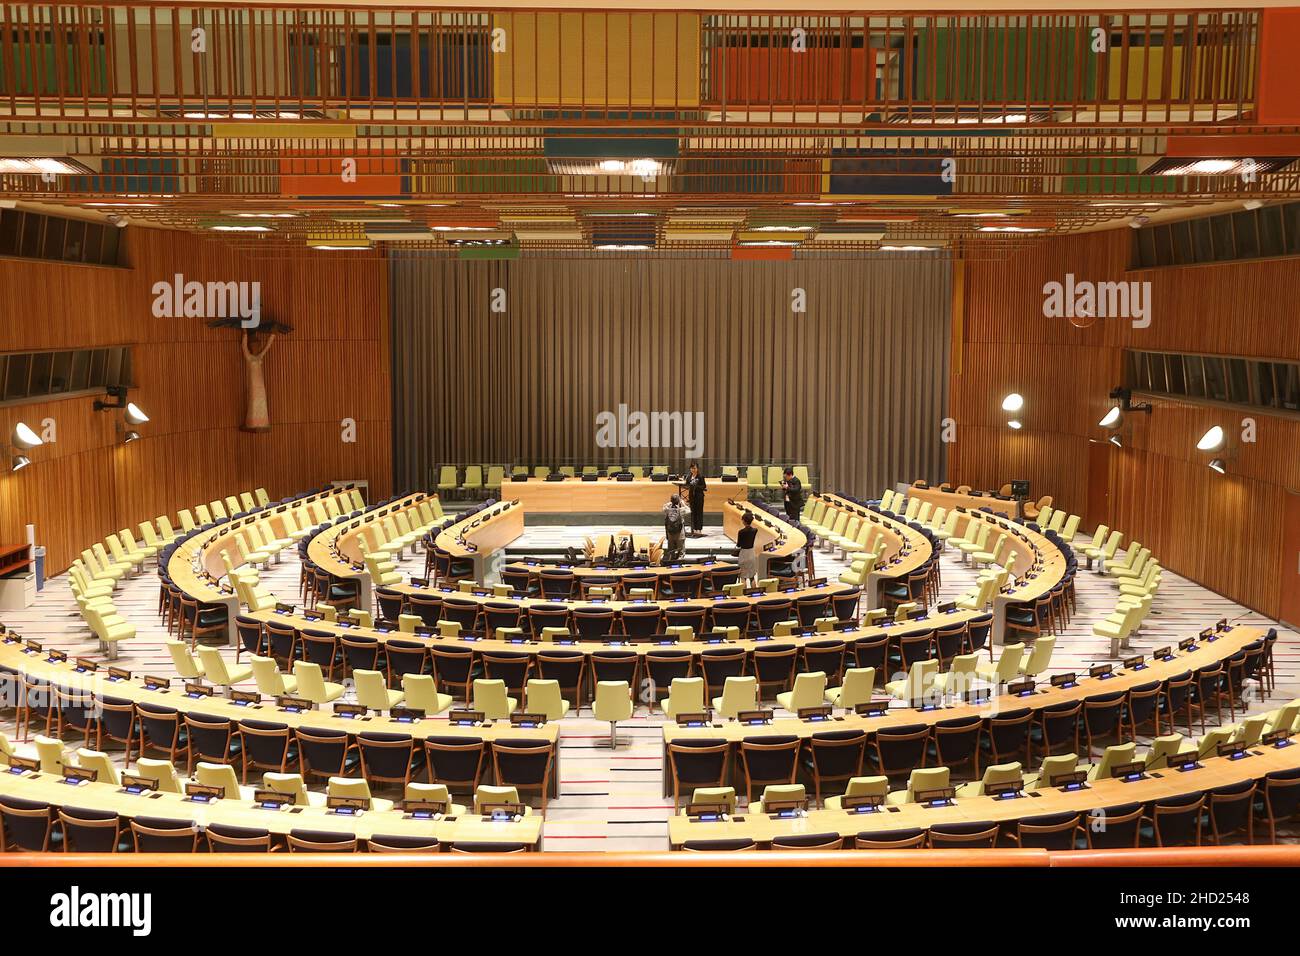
column 610, row 800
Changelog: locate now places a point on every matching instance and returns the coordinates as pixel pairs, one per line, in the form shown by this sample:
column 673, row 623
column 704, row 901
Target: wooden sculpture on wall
column 255, row 343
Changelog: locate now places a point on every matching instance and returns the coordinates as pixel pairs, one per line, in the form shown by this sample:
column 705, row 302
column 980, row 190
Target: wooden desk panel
column 467, row 828
column 1205, row 654
column 483, row 536
column 638, row 496
column 1159, row 785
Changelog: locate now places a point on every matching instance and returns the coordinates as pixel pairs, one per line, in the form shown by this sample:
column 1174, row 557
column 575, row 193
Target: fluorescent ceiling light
column 265, row 215
column 624, row 247
column 241, row 228
column 1212, row 166
column 892, row 248
column 768, row 242
column 779, row 229
column 36, row 165
column 1011, row 229
column 129, row 205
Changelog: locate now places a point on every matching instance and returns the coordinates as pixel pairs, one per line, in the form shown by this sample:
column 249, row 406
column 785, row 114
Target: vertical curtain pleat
column 856, row 386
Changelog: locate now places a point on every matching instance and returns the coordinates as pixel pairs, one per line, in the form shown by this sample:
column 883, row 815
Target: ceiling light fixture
column 241, row 228
column 36, row 165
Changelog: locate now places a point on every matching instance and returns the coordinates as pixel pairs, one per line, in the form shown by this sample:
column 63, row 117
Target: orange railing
column 136, row 62
column 1243, row 856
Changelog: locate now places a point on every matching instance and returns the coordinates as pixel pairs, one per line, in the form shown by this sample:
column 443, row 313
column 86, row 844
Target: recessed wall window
column 1262, row 384
column 30, row 376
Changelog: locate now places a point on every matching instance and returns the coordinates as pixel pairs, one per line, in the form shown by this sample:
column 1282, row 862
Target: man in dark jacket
column 792, row 490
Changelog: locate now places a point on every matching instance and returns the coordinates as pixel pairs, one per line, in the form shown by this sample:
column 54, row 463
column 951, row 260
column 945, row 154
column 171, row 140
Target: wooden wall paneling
column 189, row 379
column 1220, row 530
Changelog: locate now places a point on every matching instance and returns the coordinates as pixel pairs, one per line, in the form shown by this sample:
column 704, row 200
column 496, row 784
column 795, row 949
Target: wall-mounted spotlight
column 131, row 411
column 1218, row 465
column 132, row 414
column 1126, row 404
column 24, row 437
column 1012, row 404
column 1212, row 440
column 1114, row 440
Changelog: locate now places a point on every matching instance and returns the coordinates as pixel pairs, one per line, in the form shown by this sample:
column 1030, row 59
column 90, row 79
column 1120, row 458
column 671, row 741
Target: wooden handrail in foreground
column 1269, row 856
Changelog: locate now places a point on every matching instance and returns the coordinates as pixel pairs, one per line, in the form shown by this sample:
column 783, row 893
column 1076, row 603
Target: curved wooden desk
column 908, row 550
column 1158, row 785
column 1204, row 654
column 1007, row 507
column 195, row 562
column 15, row 658
column 482, row 537
column 466, row 828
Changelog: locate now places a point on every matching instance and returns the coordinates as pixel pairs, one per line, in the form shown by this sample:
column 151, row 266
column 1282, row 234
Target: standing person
column 674, row 529
column 792, row 490
column 695, row 494
column 745, row 542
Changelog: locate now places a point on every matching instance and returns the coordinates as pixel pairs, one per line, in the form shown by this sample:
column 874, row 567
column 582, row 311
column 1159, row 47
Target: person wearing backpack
column 674, row 529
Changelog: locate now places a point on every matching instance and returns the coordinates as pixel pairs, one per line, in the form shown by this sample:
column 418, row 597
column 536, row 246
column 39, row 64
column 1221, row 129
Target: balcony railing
column 150, row 63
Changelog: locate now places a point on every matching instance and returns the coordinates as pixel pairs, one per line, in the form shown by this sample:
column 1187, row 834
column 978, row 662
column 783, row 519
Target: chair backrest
column 809, row 690
column 1008, row 667
column 265, row 672
column 739, row 693
column 926, row 778
column 687, row 694
column 163, row 771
